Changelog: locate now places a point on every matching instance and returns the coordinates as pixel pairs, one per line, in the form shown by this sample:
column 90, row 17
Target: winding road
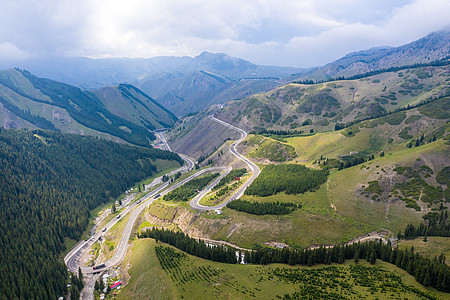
column 195, row 203
column 136, row 208
column 72, row 258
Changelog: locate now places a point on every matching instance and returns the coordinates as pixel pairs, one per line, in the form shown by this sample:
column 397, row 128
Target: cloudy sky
column 298, row 33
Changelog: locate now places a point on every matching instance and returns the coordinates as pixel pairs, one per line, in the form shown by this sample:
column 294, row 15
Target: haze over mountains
column 182, row 85
column 375, row 150
column 323, row 106
column 189, row 84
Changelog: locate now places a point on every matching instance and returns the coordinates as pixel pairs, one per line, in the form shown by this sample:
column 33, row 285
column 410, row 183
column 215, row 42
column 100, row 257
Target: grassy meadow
column 176, row 275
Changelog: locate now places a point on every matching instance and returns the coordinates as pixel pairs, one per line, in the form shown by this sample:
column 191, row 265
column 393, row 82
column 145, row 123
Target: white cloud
column 290, row 32
column 9, row 51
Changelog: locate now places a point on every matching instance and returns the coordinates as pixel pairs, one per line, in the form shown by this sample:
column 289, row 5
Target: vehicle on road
column 139, row 201
column 118, row 217
column 104, row 229
column 98, row 266
column 157, row 196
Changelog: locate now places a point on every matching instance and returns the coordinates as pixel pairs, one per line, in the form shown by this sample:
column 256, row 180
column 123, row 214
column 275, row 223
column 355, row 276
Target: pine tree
column 101, row 285
column 427, row 280
column 114, row 208
column 74, row 293
column 292, row 258
column 310, row 260
column 341, row 257
column 80, row 274
column 373, row 257
column 356, row 256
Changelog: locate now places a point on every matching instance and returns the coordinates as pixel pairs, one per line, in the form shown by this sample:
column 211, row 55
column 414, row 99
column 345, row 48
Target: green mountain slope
column 321, row 106
column 50, row 181
column 399, row 186
column 131, row 104
column 31, row 102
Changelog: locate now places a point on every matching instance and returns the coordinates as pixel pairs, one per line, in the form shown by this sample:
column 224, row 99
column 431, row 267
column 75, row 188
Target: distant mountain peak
column 432, row 47
column 367, row 51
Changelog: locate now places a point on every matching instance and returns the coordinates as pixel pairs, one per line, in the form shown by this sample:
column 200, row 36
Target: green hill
column 131, row 104
column 321, row 106
column 121, row 113
column 370, row 195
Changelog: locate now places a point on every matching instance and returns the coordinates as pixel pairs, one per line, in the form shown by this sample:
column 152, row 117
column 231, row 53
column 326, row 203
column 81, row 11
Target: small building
column 218, row 211
column 237, row 178
column 116, row 284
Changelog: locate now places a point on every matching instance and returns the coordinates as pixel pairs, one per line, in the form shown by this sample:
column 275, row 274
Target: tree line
column 263, row 208
column 437, row 225
column 292, row 178
column 26, row 115
column 229, row 177
column 429, row 272
column 192, row 246
column 49, row 183
column 77, row 285
column 189, row 189
column 420, row 141
column 356, row 161
column 285, row 133
column 437, row 63
column 339, row 126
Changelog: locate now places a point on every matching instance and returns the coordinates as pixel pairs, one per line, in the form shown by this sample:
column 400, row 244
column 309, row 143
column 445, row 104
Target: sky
column 297, row 33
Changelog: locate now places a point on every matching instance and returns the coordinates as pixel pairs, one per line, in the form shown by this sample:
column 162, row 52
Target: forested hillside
column 293, row 179
column 49, row 182
column 121, row 113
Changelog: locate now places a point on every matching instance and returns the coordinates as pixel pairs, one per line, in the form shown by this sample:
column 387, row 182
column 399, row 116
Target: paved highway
column 72, row 258
column 255, row 172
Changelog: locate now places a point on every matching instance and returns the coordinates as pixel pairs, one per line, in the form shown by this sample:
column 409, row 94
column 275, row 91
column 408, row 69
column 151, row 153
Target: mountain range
column 101, row 102
column 182, row 84
column 186, row 85
column 120, row 113
column 432, row 47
